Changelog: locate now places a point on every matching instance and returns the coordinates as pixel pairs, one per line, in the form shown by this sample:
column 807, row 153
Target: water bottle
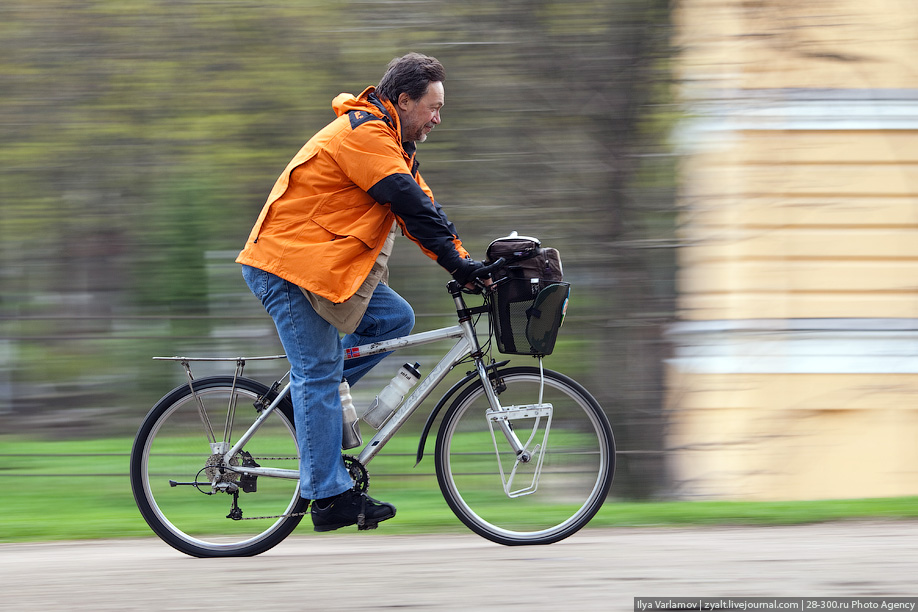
column 387, row 401
column 350, row 432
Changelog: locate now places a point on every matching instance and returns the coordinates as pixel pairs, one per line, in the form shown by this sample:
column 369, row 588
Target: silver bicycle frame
column 466, row 344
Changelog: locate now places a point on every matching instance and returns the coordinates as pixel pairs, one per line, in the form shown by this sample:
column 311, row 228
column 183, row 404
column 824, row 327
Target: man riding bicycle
column 316, row 258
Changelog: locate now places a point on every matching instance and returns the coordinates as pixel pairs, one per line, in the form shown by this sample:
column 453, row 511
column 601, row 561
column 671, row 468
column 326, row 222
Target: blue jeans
column 315, row 351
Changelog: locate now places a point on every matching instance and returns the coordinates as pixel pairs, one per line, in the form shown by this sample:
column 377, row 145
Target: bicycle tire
column 172, row 445
column 577, row 460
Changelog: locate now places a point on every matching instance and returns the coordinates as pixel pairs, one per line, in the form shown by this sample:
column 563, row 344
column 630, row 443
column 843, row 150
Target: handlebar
column 479, row 276
column 492, row 267
column 477, row 279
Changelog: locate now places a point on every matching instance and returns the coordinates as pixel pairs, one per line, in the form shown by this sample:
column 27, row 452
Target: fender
column 446, row 397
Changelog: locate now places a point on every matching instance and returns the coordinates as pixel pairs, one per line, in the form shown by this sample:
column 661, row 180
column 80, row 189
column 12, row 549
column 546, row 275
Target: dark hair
column 411, row 74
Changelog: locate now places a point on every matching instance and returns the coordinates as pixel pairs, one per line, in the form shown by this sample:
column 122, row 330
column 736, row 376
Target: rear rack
column 237, row 359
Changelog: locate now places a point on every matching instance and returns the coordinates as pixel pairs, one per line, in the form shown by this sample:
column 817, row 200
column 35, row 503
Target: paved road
column 593, row 570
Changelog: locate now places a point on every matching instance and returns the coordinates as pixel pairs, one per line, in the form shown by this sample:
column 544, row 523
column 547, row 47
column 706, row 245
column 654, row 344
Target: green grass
column 80, row 490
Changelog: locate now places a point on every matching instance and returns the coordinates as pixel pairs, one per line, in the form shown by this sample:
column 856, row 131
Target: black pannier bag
column 529, row 297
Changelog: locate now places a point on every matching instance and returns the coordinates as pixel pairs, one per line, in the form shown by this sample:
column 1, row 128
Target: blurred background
column 733, row 187
column 140, row 139
column 795, row 366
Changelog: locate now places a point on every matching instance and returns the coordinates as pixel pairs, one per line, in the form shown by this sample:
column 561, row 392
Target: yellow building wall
column 801, row 224
column 775, row 44
column 801, row 436
column 795, row 373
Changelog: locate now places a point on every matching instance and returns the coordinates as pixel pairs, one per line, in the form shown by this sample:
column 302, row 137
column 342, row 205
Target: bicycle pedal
column 367, row 526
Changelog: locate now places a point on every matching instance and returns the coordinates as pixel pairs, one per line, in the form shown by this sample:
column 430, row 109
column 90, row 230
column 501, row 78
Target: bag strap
column 522, row 255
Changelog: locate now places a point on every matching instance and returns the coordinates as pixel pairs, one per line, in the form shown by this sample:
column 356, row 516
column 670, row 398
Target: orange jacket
column 330, row 211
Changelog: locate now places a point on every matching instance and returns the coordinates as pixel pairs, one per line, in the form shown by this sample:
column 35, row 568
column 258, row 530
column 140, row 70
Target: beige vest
column 347, row 315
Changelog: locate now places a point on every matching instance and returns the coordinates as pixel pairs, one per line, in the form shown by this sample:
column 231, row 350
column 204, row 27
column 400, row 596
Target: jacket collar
column 386, row 109
column 390, row 115
column 370, row 102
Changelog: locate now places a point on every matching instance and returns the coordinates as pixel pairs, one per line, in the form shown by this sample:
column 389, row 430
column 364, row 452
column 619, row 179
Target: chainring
column 358, row 472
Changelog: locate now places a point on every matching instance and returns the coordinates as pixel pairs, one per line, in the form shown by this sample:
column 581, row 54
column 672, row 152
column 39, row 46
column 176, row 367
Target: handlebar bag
column 526, row 259
column 529, row 297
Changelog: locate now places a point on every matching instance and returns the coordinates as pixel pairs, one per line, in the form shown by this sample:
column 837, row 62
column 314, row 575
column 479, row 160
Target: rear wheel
column 192, row 503
column 552, row 489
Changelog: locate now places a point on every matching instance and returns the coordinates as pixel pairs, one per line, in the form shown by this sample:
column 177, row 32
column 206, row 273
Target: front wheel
column 551, row 489
column 183, row 490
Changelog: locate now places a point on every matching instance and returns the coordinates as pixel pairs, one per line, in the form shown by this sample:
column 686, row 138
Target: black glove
column 465, row 273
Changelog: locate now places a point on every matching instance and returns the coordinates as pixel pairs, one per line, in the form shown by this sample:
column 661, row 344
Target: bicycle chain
column 269, row 516
column 255, row 518
column 357, row 470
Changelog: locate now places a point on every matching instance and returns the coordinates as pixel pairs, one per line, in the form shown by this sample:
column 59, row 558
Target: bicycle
column 523, row 455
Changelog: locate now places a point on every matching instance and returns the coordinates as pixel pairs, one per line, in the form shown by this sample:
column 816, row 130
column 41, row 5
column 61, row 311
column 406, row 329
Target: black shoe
column 350, row 508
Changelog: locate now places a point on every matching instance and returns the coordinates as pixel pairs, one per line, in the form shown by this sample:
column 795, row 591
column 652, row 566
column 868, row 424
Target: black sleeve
column 424, row 220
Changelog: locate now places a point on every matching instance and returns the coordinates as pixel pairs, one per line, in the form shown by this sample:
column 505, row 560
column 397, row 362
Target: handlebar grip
column 485, row 271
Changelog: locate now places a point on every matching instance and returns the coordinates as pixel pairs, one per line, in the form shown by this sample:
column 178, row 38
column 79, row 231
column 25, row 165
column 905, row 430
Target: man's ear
column 403, row 101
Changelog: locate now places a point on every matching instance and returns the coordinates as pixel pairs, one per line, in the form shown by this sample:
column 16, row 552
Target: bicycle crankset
column 358, row 472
